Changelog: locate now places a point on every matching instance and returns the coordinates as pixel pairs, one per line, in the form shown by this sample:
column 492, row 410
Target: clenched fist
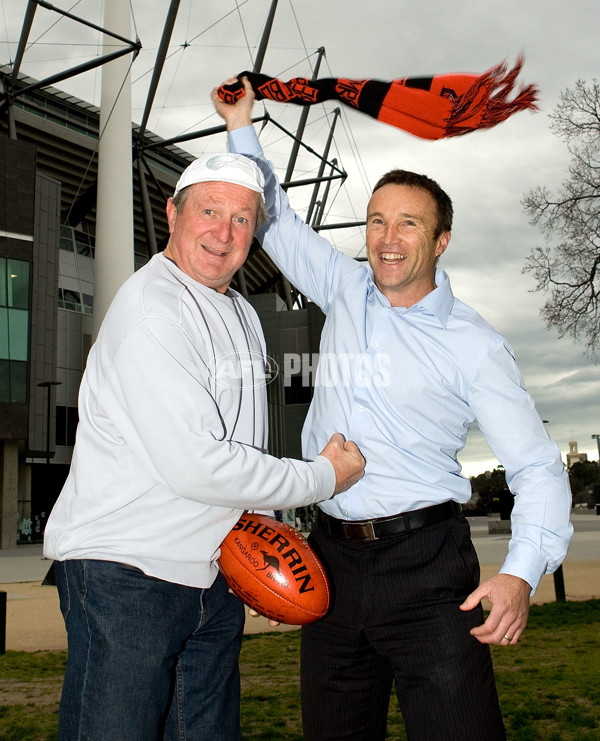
column 347, row 461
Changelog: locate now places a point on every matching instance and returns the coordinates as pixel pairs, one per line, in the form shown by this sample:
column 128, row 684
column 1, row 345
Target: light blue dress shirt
column 406, row 384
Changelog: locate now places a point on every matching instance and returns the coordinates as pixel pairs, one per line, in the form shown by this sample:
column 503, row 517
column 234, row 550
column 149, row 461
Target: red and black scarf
column 433, row 107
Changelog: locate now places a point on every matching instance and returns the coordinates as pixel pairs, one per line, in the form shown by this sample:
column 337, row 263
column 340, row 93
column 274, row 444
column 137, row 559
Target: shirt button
column 360, row 408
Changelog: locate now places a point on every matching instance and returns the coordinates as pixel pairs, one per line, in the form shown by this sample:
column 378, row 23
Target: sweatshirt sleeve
column 169, row 420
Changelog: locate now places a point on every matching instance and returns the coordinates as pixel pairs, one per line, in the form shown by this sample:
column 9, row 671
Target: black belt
column 383, row 527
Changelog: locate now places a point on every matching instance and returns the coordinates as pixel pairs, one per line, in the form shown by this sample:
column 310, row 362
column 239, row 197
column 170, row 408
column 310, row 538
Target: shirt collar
column 439, row 302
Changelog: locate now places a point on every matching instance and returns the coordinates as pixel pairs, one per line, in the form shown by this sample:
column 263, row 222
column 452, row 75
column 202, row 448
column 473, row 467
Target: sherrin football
column 270, row 566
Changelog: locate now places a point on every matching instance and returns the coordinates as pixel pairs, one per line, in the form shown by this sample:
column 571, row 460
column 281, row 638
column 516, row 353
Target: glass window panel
column 83, row 249
column 61, row 425
column 4, row 333
column 71, row 299
column 18, row 284
column 83, row 243
column 82, row 237
column 2, row 281
column 4, row 380
column 87, row 344
column 18, row 334
column 67, row 419
column 18, row 382
column 72, row 422
column 88, row 303
column 14, row 334
column 66, row 243
column 13, row 382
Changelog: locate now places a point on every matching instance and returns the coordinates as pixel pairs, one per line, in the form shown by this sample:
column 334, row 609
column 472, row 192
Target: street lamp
column 558, row 576
column 48, row 385
column 49, row 578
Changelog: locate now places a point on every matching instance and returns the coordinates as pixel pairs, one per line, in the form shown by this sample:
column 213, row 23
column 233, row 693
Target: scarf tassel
column 480, row 108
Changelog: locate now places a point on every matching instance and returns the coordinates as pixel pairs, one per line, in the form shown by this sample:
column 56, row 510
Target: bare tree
column 568, row 271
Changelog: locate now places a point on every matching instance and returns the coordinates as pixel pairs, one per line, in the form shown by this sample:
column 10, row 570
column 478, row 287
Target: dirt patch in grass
column 44, row 692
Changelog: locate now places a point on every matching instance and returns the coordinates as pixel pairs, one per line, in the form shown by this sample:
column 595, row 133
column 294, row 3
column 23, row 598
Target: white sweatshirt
column 172, row 433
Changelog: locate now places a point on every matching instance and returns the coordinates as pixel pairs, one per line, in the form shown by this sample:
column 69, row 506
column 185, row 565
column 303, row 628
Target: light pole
column 49, row 578
column 558, row 575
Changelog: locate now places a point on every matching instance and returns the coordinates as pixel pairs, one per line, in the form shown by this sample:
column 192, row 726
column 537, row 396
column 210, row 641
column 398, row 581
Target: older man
column 171, row 448
column 414, row 368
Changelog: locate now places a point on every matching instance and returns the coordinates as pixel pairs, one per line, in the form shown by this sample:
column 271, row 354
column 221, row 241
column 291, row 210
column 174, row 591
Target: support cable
column 158, row 67
column 100, row 134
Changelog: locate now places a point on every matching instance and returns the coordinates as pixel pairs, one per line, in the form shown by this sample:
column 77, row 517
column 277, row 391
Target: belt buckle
column 359, row 530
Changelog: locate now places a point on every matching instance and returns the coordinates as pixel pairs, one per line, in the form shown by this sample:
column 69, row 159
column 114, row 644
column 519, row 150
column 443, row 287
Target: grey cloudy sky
column 486, row 173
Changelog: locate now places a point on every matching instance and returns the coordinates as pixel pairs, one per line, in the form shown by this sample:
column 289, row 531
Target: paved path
column 34, row 621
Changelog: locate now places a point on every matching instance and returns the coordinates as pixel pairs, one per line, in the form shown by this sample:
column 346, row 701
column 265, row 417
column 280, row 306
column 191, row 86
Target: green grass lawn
column 549, row 683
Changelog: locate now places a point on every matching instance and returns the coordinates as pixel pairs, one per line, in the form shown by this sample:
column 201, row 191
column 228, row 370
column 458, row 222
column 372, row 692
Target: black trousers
column 395, row 615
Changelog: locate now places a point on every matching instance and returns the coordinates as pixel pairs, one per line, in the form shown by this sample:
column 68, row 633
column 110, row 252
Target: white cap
column 222, row 168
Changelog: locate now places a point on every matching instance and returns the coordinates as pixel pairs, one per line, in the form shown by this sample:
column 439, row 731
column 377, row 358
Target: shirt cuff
column 244, row 141
column 525, row 562
column 325, row 476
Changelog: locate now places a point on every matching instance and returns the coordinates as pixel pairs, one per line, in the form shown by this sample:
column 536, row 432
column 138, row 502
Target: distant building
column 574, row 456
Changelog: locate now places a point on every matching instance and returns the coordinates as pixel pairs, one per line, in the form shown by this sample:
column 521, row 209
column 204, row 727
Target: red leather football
column 271, row 567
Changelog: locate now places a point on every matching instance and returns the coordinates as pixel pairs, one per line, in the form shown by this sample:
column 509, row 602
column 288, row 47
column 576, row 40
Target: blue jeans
column 148, row 659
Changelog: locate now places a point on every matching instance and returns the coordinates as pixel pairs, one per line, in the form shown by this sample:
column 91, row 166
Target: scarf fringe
column 480, row 108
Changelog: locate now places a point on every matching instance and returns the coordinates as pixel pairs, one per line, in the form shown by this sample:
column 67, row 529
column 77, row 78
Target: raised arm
column 307, row 260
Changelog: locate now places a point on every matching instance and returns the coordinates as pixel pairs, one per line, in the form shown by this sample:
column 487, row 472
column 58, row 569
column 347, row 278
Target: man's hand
column 347, row 461
column 509, row 598
column 254, row 614
column 236, row 114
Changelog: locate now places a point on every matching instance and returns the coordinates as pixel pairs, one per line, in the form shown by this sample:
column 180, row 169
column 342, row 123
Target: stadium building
column 48, row 188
